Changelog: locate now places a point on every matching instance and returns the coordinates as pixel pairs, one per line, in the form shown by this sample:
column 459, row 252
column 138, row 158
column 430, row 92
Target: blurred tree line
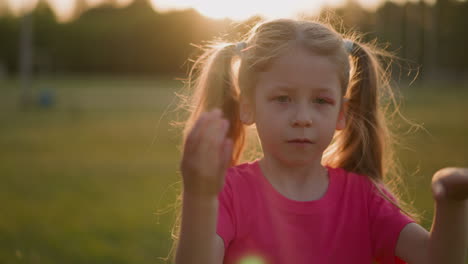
column 137, row 40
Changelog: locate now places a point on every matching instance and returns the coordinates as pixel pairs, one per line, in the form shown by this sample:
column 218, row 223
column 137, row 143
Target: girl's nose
column 302, row 117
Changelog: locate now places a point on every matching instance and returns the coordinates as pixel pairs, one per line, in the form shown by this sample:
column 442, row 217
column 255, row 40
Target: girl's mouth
column 300, row 141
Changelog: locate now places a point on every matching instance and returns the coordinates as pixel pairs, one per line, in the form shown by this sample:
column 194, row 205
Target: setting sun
column 237, row 10
column 242, row 9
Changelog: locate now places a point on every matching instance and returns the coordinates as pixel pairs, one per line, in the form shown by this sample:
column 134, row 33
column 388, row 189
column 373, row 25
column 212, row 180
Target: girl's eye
column 321, row 101
column 283, row 99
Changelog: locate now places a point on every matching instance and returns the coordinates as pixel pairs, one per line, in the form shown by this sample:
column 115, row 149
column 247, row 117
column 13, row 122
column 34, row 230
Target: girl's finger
column 220, row 134
column 219, row 146
column 193, row 135
column 438, row 190
column 193, row 138
column 213, row 132
column 452, row 183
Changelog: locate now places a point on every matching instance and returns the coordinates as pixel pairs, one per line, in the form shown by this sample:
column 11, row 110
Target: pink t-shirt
column 351, row 223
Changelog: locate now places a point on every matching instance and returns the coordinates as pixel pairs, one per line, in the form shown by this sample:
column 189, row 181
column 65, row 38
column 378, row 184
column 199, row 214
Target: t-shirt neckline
column 295, row 206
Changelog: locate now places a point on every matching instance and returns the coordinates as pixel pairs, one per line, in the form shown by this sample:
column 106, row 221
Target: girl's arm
column 448, row 239
column 198, row 242
column 206, row 156
column 447, row 242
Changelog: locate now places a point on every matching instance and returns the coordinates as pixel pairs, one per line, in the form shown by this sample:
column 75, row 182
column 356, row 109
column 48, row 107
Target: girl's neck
column 302, row 182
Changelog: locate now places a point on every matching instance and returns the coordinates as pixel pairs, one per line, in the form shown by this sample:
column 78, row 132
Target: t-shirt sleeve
column 386, row 223
column 226, row 218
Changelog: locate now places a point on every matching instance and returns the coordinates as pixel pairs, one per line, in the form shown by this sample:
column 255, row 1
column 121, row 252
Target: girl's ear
column 341, row 122
column 246, row 112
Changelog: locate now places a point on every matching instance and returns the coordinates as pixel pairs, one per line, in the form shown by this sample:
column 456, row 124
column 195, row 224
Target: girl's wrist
column 199, row 198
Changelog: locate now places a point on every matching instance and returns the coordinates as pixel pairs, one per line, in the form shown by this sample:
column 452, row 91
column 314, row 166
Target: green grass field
column 82, row 182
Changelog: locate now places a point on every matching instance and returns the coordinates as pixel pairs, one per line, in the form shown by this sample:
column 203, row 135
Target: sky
column 234, row 9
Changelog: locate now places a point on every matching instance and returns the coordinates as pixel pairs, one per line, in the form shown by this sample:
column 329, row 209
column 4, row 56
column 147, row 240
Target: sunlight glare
column 123, row 3
column 237, row 10
column 118, row 3
column 370, row 4
column 93, row 3
column 242, row 9
column 20, row 7
column 64, row 9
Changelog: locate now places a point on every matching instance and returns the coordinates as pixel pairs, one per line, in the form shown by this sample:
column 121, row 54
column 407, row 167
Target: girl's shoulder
column 243, row 174
column 357, row 182
column 242, row 168
column 349, row 177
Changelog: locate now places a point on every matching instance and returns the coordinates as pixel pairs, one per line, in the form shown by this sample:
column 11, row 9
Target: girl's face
column 298, row 106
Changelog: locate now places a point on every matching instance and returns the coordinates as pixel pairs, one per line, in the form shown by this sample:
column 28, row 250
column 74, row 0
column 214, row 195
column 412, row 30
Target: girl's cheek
column 324, row 108
column 279, row 106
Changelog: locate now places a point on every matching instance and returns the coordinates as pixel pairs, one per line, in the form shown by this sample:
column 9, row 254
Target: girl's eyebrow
column 288, row 88
column 281, row 87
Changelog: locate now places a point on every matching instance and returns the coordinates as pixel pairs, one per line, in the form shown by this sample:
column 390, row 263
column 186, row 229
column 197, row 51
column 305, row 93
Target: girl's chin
column 298, row 161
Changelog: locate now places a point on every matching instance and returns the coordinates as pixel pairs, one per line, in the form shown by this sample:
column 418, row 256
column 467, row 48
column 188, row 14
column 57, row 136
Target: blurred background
column 88, row 158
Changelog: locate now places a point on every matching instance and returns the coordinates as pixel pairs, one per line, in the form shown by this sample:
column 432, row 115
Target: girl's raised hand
column 450, row 184
column 206, row 156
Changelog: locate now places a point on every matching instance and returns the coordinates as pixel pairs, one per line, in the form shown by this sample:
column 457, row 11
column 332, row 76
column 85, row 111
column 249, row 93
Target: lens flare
column 252, row 260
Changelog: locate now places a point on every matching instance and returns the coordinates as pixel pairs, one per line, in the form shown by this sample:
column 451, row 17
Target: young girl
column 318, row 194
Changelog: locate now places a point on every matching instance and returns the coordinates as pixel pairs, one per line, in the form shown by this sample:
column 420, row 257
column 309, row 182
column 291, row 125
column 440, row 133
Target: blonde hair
column 219, row 78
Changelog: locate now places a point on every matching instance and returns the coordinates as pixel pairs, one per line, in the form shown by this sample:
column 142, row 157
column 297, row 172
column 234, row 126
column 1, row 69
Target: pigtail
column 214, row 86
column 212, row 83
column 365, row 145
column 362, row 142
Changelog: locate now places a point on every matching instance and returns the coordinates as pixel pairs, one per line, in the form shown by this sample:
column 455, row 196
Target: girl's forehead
column 299, row 69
